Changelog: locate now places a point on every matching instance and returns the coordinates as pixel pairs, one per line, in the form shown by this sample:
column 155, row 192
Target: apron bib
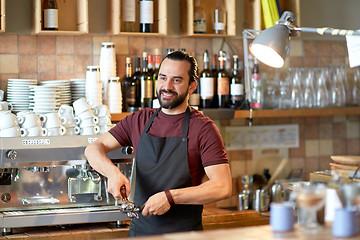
column 162, row 163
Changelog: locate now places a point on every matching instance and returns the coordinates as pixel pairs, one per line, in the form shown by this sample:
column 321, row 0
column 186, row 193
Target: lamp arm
column 327, row 30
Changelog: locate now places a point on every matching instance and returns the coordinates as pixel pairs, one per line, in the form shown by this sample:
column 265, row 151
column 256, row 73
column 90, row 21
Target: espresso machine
column 47, row 181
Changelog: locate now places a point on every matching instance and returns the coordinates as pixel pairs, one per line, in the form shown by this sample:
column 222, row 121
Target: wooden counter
column 213, row 218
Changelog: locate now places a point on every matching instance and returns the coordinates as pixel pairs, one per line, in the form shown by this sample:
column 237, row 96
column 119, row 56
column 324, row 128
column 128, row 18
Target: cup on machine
column 28, row 119
column 8, row 120
column 6, row 106
column 10, row 132
column 33, row 132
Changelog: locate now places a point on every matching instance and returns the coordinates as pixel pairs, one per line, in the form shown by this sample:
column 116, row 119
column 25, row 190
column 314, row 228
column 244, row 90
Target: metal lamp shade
column 271, row 47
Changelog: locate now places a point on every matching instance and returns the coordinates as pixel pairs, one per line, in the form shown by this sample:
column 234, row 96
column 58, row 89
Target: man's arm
column 96, row 152
column 219, row 186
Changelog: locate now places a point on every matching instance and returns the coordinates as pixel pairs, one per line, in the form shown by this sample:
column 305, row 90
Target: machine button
column 5, row 197
column 11, row 154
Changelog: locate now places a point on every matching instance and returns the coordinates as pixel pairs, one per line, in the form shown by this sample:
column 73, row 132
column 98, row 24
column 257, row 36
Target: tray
column 346, row 160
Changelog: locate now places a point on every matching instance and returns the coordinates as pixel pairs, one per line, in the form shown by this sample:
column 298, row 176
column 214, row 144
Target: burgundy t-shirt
column 205, row 145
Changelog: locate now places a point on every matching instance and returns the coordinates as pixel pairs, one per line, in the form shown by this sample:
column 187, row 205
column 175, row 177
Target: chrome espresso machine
column 47, row 181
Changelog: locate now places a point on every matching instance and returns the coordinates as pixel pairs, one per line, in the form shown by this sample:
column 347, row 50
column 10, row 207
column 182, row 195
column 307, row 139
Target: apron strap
column 148, row 124
column 186, row 123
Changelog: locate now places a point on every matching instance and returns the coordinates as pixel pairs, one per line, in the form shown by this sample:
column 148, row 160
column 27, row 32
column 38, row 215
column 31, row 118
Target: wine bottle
column 207, row 84
column 150, row 64
column 236, row 86
column 155, row 77
column 136, row 79
column 257, row 92
column 146, row 15
column 128, row 88
column 199, row 18
column 214, row 72
column 194, row 98
column 146, row 84
column 223, row 83
column 128, row 13
column 219, row 18
column 50, row 15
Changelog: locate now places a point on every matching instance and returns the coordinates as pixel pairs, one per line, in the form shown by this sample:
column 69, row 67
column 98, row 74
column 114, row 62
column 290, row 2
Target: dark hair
column 184, row 56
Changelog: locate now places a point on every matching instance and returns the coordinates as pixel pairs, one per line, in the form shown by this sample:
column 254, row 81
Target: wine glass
column 310, row 197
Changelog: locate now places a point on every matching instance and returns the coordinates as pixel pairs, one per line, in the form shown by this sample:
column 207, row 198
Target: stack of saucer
column 77, row 87
column 43, row 99
column 63, row 90
column 18, row 93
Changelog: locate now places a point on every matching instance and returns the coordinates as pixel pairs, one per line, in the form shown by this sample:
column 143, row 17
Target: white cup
column 92, row 130
column 28, row 119
column 89, row 122
column 70, row 131
column 106, row 120
column 81, row 105
column 86, row 114
column 52, row 120
column 66, row 110
column 104, row 129
column 102, row 110
column 33, row 132
column 10, row 132
column 7, row 120
column 6, row 106
column 68, row 121
column 1, row 95
column 56, row 131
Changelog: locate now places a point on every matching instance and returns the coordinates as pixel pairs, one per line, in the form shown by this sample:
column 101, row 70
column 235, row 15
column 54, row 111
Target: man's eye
column 162, row 78
column 176, row 80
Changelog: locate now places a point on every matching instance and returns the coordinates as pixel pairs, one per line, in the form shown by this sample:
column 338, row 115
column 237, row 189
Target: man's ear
column 192, row 87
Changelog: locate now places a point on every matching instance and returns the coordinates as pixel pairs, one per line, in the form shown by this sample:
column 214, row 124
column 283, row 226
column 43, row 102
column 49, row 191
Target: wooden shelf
column 114, row 18
column 73, row 18
column 271, row 113
column 2, row 15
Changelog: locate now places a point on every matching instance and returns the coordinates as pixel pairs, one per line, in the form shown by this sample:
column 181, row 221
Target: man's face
column 173, row 83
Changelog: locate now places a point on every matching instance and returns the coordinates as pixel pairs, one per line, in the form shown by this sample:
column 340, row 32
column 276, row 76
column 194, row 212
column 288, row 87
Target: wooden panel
column 187, row 17
column 73, row 17
column 114, row 18
column 2, row 16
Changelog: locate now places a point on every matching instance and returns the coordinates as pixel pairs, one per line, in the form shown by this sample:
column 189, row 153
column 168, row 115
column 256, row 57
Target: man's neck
column 174, row 111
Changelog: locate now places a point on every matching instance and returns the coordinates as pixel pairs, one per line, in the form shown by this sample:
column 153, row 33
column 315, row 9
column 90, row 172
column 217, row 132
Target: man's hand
column 116, row 181
column 157, row 204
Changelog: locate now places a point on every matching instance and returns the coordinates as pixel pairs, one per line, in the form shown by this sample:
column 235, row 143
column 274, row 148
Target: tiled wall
column 64, row 57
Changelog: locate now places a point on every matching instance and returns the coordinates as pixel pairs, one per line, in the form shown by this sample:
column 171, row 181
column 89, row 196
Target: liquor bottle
column 236, row 86
column 199, row 18
column 170, row 50
column 155, row 77
column 194, row 98
column 219, row 18
column 223, row 83
column 146, row 84
column 257, row 92
column 136, row 78
column 150, row 64
column 128, row 88
column 207, row 90
column 146, row 15
column 214, row 72
column 50, row 15
column 128, row 13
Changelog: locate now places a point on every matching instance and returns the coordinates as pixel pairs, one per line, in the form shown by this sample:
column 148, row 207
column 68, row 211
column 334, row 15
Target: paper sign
column 353, row 46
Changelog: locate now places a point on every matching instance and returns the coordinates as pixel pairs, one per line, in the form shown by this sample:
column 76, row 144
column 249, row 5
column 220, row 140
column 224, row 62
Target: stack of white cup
column 66, row 112
column 4, row 106
column 107, row 65
column 9, row 126
column 114, row 95
column 30, row 124
column 104, row 118
column 53, row 123
column 93, row 86
column 85, row 118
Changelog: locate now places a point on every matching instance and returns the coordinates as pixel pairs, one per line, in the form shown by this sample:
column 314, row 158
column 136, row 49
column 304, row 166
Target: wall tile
column 188, row 44
column 47, row 44
column 46, row 76
column 28, row 75
column 137, row 46
column 83, row 45
column 339, row 146
column 8, row 44
column 298, row 152
column 65, row 45
column 120, row 67
column 297, row 163
column 324, row 48
column 121, row 44
column 326, row 147
column 311, row 131
column 310, row 48
column 311, row 148
column 297, row 48
column 238, row 47
column 27, row 44
column 65, row 76
column 312, row 164
column 325, row 130
column 28, row 63
column 9, row 63
column 47, row 63
column 238, row 168
column 65, row 64
column 337, row 60
column 338, row 49
column 310, row 62
column 325, row 163
column 352, row 146
column 352, row 130
column 339, row 130
column 201, row 45
column 324, row 61
column 97, row 40
column 153, row 43
column 339, row 118
column 296, row 62
column 81, row 63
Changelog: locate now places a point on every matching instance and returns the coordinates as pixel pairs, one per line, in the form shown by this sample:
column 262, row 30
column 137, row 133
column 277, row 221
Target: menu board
column 265, row 136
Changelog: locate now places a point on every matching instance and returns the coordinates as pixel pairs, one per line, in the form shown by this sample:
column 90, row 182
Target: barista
column 175, row 147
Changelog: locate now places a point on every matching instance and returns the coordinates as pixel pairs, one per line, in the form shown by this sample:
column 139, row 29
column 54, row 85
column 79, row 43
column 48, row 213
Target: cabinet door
column 115, row 19
column 73, row 17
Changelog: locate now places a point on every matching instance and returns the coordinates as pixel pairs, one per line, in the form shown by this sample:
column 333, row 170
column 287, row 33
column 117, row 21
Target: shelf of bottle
column 267, row 113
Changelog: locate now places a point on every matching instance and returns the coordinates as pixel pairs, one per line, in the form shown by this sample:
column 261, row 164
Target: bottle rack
column 114, row 18
column 73, row 17
column 2, row 15
column 187, row 18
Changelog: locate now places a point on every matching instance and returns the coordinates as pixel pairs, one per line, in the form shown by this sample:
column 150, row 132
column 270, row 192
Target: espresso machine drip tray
column 12, row 219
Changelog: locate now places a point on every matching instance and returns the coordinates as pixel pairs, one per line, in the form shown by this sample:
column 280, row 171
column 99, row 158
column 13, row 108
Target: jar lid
column 114, row 79
column 93, row 68
column 108, row 44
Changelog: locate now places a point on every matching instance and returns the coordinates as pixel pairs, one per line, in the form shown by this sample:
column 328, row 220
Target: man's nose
column 169, row 84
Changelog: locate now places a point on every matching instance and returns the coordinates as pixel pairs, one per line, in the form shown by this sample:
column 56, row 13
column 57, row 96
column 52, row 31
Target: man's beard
column 179, row 99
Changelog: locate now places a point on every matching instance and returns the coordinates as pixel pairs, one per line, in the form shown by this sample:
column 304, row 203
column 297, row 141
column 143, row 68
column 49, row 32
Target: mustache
column 167, row 91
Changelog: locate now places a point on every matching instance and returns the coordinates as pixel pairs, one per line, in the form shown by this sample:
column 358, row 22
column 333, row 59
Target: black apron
column 162, row 163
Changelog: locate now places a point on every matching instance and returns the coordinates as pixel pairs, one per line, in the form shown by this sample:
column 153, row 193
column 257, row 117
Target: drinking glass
column 310, row 197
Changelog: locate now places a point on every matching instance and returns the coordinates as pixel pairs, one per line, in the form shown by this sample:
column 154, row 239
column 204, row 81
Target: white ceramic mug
column 66, row 110
column 92, row 130
column 1, row 95
column 7, row 120
column 33, row 132
column 81, row 105
column 104, row 121
column 52, row 120
column 10, row 132
column 6, row 106
column 88, row 122
column 104, row 129
column 102, row 110
column 56, row 131
column 28, row 119
column 71, row 131
column 86, row 114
